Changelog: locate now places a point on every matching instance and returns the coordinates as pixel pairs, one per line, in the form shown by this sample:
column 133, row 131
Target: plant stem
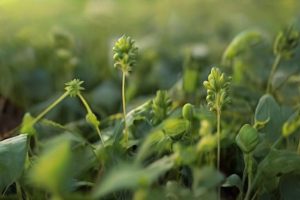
column 50, row 107
column 298, row 149
column 277, row 142
column 89, row 110
column 86, row 105
column 273, row 70
column 19, row 191
column 219, row 145
column 124, row 107
column 248, row 162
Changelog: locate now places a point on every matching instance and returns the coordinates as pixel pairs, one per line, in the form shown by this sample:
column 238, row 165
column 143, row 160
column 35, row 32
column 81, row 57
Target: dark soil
column 10, row 117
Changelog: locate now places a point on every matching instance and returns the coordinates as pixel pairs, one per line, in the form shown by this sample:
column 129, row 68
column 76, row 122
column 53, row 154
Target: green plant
column 217, row 87
column 247, row 139
column 284, row 48
column 125, row 54
column 72, row 89
column 171, row 151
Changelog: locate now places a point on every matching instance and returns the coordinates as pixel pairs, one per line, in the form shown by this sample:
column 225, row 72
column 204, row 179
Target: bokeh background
column 44, row 44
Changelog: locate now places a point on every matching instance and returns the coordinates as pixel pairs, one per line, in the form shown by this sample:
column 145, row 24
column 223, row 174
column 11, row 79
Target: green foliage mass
column 176, row 138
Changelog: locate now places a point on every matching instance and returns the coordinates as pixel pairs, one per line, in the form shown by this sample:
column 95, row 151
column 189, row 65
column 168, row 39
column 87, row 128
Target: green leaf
column 242, row 42
column 13, row 153
column 27, row 125
column 268, row 110
column 174, row 127
column 275, row 164
column 206, row 178
column 132, row 176
column 289, row 186
column 247, row 138
column 233, row 181
column 51, row 170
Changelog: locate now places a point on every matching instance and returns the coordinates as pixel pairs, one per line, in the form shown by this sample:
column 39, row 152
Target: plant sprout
column 125, row 53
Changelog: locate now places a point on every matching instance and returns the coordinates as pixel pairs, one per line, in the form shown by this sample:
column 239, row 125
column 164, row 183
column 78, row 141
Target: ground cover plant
column 166, row 148
column 157, row 120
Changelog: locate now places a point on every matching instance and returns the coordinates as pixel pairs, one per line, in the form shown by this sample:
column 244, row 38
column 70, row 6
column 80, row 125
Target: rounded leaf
column 247, row 139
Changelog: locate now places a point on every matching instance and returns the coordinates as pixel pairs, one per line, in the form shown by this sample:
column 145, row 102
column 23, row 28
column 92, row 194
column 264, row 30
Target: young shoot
column 217, row 87
column 125, row 54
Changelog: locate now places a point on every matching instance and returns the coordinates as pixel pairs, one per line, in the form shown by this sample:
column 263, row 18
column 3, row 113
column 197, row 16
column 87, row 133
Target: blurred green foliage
column 171, row 150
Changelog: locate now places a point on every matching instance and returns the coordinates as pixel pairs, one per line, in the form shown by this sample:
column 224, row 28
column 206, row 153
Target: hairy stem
column 124, row 107
column 273, row 70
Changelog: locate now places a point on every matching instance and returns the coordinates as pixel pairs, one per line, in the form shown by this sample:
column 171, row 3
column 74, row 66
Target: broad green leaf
column 132, row 177
column 51, row 170
column 13, row 153
column 242, row 42
column 233, row 181
column 289, row 186
column 206, row 177
column 247, row 138
column 275, row 164
column 174, row 127
column 268, row 110
column 156, row 141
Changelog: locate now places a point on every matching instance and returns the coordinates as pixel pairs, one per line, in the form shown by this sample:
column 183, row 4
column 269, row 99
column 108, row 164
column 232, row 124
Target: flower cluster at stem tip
column 125, row 54
column 74, row 87
column 217, row 87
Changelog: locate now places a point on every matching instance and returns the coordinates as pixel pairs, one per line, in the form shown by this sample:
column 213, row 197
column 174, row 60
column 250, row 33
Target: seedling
column 125, row 54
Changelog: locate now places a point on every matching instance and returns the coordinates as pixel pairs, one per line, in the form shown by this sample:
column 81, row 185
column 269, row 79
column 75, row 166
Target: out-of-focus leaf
column 268, row 110
column 13, row 152
column 51, row 170
column 174, row 127
column 242, row 42
column 190, row 80
column 275, row 164
column 233, row 181
column 290, row 186
column 206, row 179
column 132, row 176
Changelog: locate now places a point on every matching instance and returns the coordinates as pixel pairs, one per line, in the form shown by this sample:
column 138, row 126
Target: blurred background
column 44, row 44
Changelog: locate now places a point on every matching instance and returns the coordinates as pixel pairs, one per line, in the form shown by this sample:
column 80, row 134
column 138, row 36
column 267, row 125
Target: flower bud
column 74, row 87
column 125, row 53
column 188, row 111
column 217, row 87
column 92, row 119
